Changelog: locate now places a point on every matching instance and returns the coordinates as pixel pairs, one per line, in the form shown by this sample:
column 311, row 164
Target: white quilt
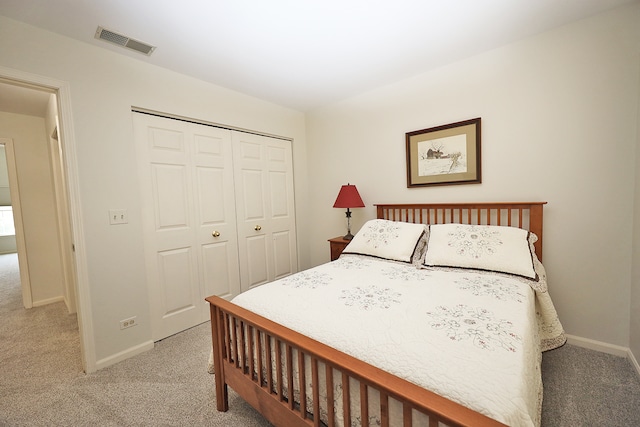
column 473, row 337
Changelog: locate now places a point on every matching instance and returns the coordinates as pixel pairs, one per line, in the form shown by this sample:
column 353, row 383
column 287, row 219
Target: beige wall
column 8, row 244
column 103, row 87
column 36, row 196
column 634, row 339
column 559, row 120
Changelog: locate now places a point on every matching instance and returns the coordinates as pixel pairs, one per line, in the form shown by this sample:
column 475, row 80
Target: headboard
column 526, row 215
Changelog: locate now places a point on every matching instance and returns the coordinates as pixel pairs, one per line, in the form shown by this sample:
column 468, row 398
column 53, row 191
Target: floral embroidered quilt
column 474, row 337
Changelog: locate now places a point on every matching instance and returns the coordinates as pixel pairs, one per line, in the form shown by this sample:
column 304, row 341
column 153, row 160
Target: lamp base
column 348, row 236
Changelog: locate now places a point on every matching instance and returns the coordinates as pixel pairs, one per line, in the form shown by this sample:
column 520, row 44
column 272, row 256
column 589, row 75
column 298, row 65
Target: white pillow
column 483, row 247
column 394, row 240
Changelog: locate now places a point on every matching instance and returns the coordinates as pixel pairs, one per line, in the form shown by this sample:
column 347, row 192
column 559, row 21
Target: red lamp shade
column 348, row 197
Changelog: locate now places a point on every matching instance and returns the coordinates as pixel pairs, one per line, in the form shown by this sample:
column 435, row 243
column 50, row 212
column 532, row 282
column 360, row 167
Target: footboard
column 293, row 380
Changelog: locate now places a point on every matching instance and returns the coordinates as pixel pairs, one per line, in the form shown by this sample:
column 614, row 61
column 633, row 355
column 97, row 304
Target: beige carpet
column 41, row 383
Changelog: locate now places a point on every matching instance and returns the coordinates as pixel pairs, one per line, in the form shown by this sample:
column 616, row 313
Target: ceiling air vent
column 124, row 41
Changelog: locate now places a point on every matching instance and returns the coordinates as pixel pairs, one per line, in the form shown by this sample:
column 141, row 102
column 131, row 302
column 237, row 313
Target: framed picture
column 447, row 154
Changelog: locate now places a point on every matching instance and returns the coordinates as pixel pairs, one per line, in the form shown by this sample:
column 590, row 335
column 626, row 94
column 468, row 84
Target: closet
column 217, row 215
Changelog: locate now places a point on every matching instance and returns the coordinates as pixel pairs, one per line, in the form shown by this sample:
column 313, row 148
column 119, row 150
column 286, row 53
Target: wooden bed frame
column 239, row 331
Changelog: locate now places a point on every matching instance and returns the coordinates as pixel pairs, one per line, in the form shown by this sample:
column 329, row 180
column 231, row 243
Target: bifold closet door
column 265, row 208
column 189, row 219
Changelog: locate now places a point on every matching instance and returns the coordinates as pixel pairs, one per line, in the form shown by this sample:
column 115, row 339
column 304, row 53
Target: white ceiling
column 302, row 53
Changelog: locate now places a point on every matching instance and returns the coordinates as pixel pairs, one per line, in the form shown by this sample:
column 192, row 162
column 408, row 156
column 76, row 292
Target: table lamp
column 348, row 197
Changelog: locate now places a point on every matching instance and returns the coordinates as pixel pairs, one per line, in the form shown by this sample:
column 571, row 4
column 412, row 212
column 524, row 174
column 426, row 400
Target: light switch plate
column 118, row 216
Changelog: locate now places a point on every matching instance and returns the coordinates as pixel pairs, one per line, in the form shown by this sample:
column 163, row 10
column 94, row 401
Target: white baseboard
column 603, row 347
column 47, row 301
column 119, row 357
column 634, row 362
column 600, row 346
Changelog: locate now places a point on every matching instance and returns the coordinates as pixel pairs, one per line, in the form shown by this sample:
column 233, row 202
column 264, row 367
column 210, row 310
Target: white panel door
column 188, row 212
column 216, row 214
column 265, row 208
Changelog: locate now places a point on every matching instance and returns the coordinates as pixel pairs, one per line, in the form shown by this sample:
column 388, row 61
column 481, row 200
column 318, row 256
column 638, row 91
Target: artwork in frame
column 447, row 154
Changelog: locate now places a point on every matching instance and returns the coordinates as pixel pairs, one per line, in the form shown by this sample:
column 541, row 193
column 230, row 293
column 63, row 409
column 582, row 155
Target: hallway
column 37, row 346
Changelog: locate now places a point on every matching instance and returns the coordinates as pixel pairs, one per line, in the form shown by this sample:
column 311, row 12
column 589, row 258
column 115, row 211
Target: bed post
column 222, row 395
column 535, row 225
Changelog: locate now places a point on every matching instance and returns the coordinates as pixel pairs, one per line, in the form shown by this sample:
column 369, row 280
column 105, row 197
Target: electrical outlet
column 127, row 323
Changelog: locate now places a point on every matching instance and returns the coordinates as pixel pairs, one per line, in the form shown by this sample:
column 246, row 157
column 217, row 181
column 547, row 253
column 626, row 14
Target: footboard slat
column 238, row 352
column 233, row 340
column 225, row 337
column 250, row 359
column 384, row 409
column 302, row 380
column 242, row 351
column 407, row 415
column 289, row 373
column 346, row 400
column 259, row 352
column 329, row 388
column 364, row 405
column 269, row 362
column 279, row 370
column 315, row 391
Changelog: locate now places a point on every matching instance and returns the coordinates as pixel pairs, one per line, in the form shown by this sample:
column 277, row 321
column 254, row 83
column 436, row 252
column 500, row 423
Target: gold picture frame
column 442, row 155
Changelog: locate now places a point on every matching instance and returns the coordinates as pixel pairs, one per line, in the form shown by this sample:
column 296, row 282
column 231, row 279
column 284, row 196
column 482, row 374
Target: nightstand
column 337, row 246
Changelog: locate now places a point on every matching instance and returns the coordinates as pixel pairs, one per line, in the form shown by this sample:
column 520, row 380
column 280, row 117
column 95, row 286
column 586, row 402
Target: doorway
column 20, row 100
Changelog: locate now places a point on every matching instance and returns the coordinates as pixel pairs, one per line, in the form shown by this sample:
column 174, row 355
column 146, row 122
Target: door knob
column 257, row 228
column 216, row 233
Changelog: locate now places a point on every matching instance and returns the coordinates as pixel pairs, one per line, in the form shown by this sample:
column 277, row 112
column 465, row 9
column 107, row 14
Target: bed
column 410, row 326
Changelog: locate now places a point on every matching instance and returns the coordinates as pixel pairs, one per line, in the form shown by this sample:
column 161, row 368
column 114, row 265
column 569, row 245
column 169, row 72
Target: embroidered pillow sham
column 393, row 240
column 482, row 247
